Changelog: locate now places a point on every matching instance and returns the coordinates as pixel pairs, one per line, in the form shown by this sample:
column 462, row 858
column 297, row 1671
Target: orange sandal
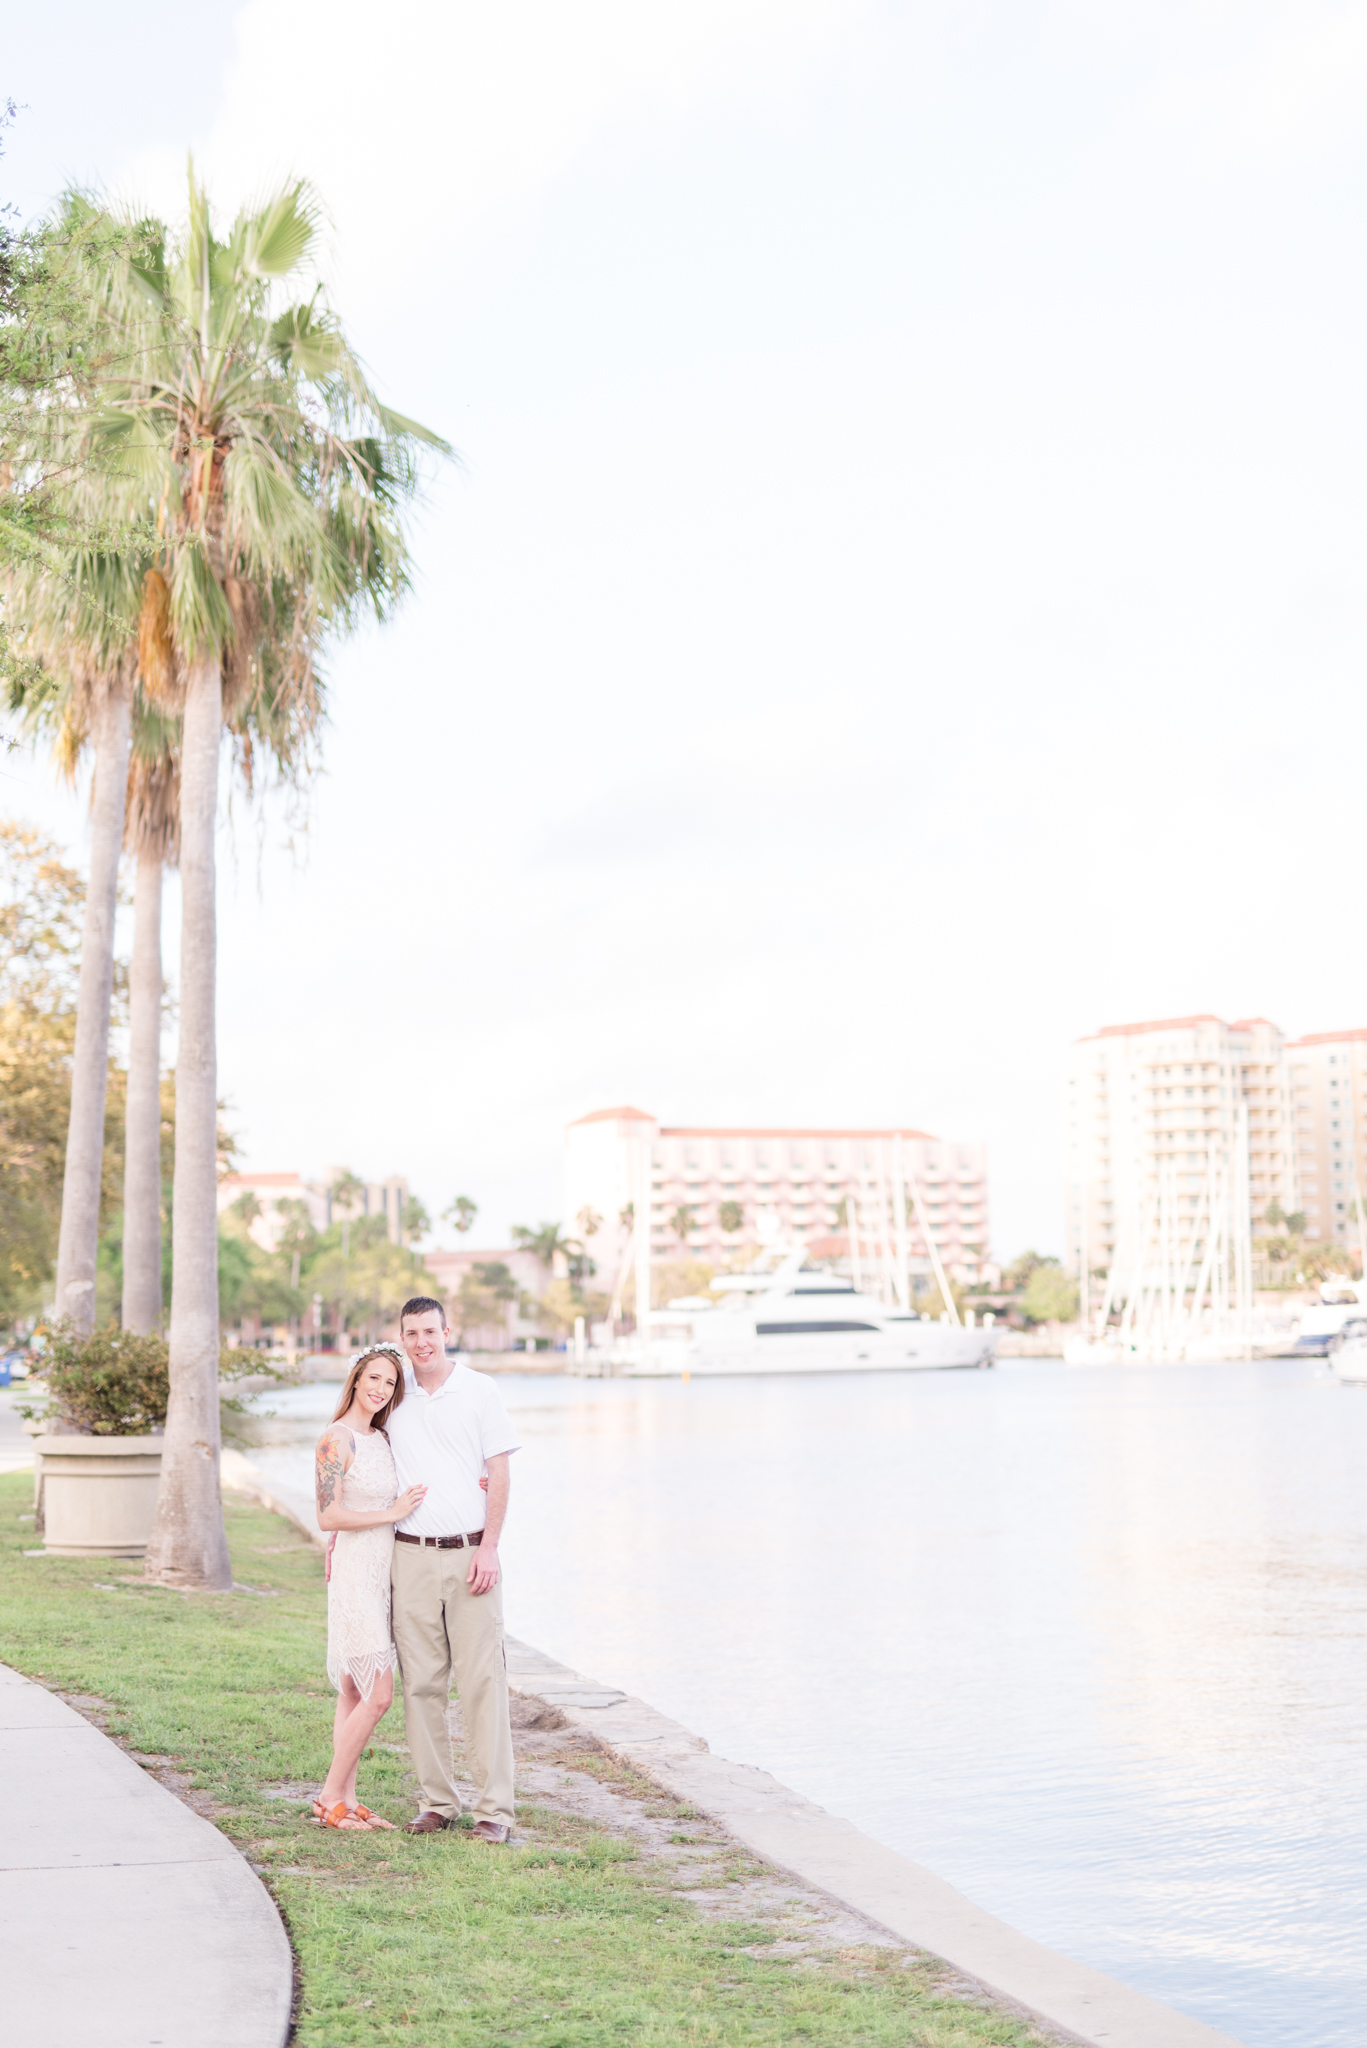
column 340, row 1816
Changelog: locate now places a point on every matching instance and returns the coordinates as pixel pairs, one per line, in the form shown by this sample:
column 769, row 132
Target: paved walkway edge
column 128, row 1919
column 806, row 1841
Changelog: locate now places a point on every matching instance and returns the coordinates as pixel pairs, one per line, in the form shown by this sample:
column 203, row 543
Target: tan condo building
column 720, row 1194
column 1159, row 1099
column 1329, row 1086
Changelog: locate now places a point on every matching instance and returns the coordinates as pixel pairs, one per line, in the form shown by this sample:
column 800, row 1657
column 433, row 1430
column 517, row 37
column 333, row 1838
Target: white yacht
column 1340, row 1302
column 1348, row 1351
column 785, row 1315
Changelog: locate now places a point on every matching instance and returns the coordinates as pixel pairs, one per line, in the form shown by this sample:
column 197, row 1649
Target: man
column 449, row 1431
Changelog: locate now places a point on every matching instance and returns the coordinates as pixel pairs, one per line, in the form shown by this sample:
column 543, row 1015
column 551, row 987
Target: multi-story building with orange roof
column 1165, row 1096
column 720, row 1193
column 1329, row 1088
column 373, row 1198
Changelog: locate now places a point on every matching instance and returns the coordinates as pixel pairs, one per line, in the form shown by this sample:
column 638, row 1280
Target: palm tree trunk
column 142, row 1117
column 78, row 1239
column 188, row 1546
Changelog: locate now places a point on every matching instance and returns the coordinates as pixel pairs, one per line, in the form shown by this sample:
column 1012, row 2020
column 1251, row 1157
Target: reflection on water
column 1087, row 1643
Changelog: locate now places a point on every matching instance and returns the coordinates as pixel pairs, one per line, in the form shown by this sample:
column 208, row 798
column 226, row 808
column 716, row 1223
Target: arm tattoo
column 328, row 1477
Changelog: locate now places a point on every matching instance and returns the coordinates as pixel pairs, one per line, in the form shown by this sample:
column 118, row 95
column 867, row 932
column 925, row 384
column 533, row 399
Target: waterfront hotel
column 1152, row 1103
column 1144, row 1100
column 1329, row 1089
column 719, row 1194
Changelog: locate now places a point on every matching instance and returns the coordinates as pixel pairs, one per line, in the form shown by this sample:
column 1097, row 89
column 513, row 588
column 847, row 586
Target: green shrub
column 111, row 1383
column 117, row 1383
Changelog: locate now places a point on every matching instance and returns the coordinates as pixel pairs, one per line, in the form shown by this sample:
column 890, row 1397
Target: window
column 811, row 1329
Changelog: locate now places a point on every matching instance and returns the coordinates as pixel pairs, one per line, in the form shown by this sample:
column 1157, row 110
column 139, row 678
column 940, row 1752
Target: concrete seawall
column 801, row 1838
column 912, row 1903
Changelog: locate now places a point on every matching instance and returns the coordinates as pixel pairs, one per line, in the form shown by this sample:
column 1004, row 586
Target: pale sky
column 902, row 606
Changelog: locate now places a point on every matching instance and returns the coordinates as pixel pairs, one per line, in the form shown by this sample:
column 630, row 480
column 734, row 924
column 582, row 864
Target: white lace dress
column 360, row 1634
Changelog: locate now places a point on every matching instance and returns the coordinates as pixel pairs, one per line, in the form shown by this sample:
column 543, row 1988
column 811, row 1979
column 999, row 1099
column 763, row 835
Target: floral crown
column 372, row 1351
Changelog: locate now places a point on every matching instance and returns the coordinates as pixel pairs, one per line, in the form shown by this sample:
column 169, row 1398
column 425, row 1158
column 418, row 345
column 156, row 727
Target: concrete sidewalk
column 126, row 1921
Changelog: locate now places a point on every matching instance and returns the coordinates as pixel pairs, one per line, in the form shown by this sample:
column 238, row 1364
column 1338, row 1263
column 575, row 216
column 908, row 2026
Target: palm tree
column 276, row 477
column 74, row 587
column 544, row 1244
column 682, row 1222
column 150, row 834
column 78, row 625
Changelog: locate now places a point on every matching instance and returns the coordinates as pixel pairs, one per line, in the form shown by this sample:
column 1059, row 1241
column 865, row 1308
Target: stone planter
column 99, row 1494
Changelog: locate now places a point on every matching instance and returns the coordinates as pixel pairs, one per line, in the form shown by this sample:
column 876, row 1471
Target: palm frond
column 276, row 238
column 199, row 611
column 399, row 427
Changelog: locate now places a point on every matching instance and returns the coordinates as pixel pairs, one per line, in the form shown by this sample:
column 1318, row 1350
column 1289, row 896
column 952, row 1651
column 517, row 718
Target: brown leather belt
column 472, row 1541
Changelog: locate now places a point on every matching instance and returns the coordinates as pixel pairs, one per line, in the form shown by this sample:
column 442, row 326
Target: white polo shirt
column 446, row 1439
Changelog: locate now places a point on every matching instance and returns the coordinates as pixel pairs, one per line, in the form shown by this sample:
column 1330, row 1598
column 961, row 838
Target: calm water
column 1088, row 1643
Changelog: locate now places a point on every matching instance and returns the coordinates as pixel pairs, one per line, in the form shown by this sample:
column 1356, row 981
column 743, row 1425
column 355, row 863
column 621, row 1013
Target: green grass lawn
column 442, row 1942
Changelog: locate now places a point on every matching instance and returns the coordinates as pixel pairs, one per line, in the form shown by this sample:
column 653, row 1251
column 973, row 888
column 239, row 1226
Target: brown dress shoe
column 489, row 1831
column 427, row 1824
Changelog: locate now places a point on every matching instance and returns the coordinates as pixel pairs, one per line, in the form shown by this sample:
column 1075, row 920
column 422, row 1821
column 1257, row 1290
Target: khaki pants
column 441, row 1630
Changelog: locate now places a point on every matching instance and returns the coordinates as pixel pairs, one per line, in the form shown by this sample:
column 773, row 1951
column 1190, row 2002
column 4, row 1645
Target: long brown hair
column 381, row 1415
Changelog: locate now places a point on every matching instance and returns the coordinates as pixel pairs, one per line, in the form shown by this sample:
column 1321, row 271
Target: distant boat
column 1340, row 1302
column 787, row 1315
column 1348, row 1351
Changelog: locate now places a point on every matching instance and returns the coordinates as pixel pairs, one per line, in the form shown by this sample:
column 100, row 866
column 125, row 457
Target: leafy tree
column 461, row 1213
column 485, row 1292
column 416, row 1223
column 1016, row 1276
column 41, row 912
column 669, row 1281
column 41, row 906
column 563, row 1303
column 1050, row 1295
column 589, row 1222
column 731, row 1217
column 370, row 1281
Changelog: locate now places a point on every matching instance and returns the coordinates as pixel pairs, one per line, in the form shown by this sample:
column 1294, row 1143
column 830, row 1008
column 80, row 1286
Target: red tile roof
column 1158, row 1024
column 1175, row 1024
column 1329, row 1037
column 770, row 1131
column 608, row 1116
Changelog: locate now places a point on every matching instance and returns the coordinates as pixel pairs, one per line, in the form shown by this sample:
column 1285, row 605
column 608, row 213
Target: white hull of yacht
column 924, row 1346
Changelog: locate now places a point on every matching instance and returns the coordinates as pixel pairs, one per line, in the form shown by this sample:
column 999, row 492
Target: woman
column 356, row 1489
